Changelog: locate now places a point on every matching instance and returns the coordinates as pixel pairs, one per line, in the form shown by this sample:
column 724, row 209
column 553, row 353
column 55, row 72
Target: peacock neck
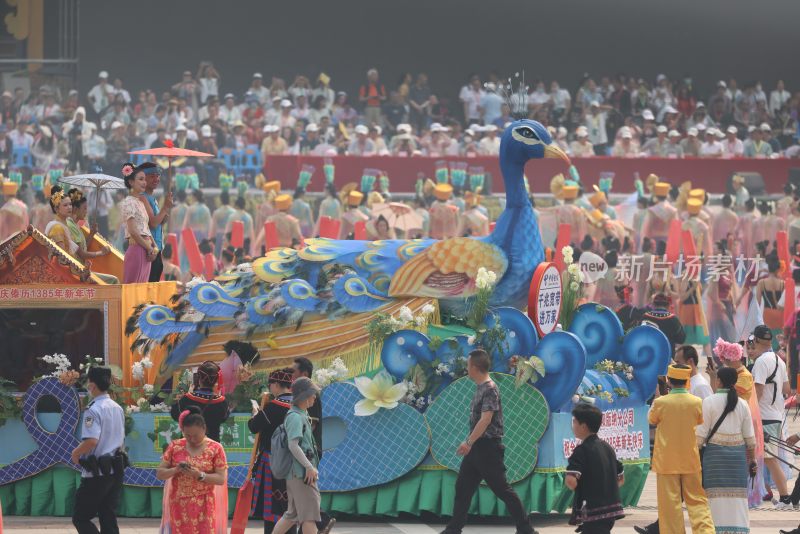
column 516, row 196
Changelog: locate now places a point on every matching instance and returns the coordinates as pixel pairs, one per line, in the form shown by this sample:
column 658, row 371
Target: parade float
column 388, row 326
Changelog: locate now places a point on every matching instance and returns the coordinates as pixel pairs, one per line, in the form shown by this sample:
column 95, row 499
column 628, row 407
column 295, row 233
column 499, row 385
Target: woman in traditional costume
column 729, row 440
column 196, row 470
column 269, row 495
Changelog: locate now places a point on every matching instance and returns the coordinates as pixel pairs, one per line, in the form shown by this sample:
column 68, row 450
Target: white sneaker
column 783, row 506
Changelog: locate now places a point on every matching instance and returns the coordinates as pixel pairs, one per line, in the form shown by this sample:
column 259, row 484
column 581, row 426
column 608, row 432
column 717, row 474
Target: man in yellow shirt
column 676, row 460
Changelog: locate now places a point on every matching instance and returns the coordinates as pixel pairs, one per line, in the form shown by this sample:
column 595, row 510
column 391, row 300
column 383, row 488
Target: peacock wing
column 447, row 269
column 157, row 321
column 357, row 295
column 277, row 265
column 299, row 294
column 213, row 301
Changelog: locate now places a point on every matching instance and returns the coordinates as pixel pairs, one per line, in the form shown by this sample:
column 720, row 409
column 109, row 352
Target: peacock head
column 526, row 139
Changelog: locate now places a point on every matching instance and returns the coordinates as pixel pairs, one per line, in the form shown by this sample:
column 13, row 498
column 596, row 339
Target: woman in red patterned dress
column 195, row 468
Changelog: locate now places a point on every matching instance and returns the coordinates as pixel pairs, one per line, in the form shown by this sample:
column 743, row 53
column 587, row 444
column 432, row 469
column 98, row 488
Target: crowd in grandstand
column 619, row 116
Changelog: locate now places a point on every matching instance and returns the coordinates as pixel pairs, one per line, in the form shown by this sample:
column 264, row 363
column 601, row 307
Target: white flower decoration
column 379, row 392
column 405, row 315
column 471, row 340
column 485, row 279
column 428, row 309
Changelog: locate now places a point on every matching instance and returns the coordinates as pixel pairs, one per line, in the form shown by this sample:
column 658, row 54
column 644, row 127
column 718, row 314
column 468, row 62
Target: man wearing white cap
column 596, row 126
column 490, row 144
column 581, row 147
column 624, row 147
column 756, row 147
column 258, row 89
column 673, row 149
column 403, row 141
column 286, row 119
column 766, row 132
column 657, row 147
column 230, row 112
column 691, row 144
column 273, row 144
column 732, row 147
column 361, row 145
column 101, row 94
column 310, row 140
column 711, row 147
column 272, row 114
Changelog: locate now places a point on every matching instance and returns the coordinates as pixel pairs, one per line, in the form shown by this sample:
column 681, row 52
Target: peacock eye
column 527, row 132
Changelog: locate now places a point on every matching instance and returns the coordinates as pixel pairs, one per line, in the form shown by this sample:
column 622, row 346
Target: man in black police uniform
column 101, row 457
column 483, row 451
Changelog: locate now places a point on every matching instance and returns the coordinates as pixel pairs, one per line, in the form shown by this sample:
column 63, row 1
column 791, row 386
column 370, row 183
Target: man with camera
column 102, row 458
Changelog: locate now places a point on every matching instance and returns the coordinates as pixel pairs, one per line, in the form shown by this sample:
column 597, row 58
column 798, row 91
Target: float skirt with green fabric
column 424, row 490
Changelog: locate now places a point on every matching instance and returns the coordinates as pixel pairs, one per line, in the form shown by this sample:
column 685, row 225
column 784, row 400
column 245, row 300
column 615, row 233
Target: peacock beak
column 554, row 151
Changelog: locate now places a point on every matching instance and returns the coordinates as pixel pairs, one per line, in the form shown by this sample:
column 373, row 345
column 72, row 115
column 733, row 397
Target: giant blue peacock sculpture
column 334, row 277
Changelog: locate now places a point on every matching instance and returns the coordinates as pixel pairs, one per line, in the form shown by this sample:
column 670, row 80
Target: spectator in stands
column 101, row 94
column 372, row 95
column 20, row 136
column 778, row 98
column 320, row 108
column 470, row 96
column 343, row 111
column 361, row 145
column 229, row 112
column 95, row 149
column 273, row 143
column 648, row 126
column 323, row 89
column 395, row 112
column 44, row 148
column 491, row 105
column 376, row 136
column 711, row 147
column 490, row 144
column 189, row 89
column 582, row 147
column 311, row 139
column 756, row 147
column 286, row 119
column 560, row 102
column 596, row 125
column 766, row 132
column 624, row 146
column 208, row 80
column 657, row 146
column 419, row 100
column 640, row 98
column 674, row 149
column 732, row 147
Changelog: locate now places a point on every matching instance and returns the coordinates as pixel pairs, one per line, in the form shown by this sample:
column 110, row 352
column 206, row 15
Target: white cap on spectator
column 701, row 126
column 377, row 128
column 7, row 94
column 692, row 131
column 720, row 133
column 286, row 103
column 661, row 129
column 115, row 125
column 469, row 131
column 490, row 86
column 674, row 133
column 670, row 109
column 648, row 115
column 732, row 129
column 361, row 129
column 477, row 128
column 722, row 83
column 582, row 131
column 230, row 95
column 205, row 130
column 180, row 128
column 257, row 75
column 490, row 128
column 403, row 127
column 73, row 92
column 312, row 127
column 625, row 133
column 436, row 127
column 103, row 74
column 711, row 131
column 661, row 77
column 751, row 129
column 277, row 98
column 594, row 104
column 270, row 128
column 562, row 132
column 765, row 127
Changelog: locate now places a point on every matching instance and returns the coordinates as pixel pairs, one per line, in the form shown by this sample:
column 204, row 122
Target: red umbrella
column 170, row 151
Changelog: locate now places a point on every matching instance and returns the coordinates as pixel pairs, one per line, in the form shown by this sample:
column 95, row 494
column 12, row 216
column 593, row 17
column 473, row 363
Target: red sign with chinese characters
column 544, row 298
column 54, row 293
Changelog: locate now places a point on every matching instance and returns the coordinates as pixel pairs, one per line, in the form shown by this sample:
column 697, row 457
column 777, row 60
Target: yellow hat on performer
column 10, row 188
column 677, row 373
column 698, row 193
column 274, row 185
column 472, row 199
column 694, row 205
column 354, row 198
column 569, row 192
column 661, row 189
column 374, row 198
column 283, row 202
column 443, row 191
column 598, row 198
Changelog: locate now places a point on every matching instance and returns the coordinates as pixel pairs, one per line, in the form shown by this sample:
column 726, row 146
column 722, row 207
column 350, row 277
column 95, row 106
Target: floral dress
column 192, row 506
